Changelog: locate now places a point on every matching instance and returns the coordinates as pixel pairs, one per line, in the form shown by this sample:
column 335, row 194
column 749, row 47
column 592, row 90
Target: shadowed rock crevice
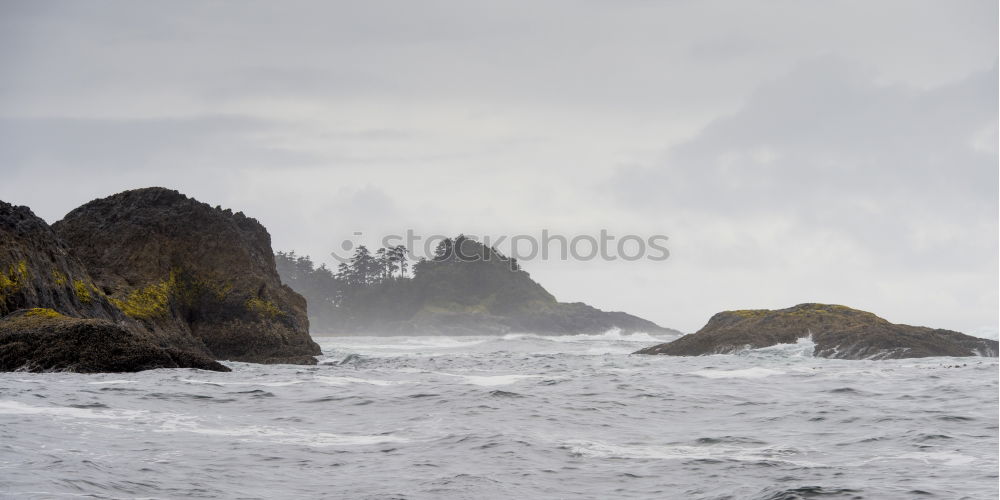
column 837, row 331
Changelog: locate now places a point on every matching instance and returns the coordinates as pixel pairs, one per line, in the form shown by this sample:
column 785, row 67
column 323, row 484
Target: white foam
column 932, row 458
column 601, row 350
column 263, row 433
column 802, row 348
column 755, row 372
column 681, row 452
column 614, row 334
column 175, row 422
column 405, row 343
column 354, row 380
column 263, row 384
column 8, row 407
column 490, row 380
column 111, row 382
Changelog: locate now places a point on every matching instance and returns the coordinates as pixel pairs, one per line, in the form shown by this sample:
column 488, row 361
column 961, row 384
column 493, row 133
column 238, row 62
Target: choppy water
column 514, row 417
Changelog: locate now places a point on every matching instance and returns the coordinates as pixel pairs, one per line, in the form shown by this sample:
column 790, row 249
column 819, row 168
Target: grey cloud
column 833, row 149
column 322, row 117
column 611, row 57
column 116, row 145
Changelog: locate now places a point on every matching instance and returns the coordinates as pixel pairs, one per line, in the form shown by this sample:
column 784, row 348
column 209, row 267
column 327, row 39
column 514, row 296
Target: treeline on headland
column 381, row 288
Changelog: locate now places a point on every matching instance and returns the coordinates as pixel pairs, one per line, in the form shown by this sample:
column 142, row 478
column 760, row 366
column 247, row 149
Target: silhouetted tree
column 398, row 258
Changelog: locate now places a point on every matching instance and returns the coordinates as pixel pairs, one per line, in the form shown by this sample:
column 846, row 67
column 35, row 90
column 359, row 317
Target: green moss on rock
column 42, row 312
column 263, row 308
column 149, row 302
column 59, row 278
column 82, row 291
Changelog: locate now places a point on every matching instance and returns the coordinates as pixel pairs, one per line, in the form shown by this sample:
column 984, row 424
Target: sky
column 838, row 152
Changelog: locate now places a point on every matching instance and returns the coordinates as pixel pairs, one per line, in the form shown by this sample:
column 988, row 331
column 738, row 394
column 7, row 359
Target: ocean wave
column 755, row 372
column 945, row 458
column 596, row 449
column 490, row 380
column 404, row 343
column 614, row 335
column 8, row 407
column 175, row 422
column 264, row 384
column 802, row 348
column 263, row 433
column 355, row 380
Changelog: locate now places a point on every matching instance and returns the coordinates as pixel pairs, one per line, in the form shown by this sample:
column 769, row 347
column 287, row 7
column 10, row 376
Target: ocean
column 519, row 416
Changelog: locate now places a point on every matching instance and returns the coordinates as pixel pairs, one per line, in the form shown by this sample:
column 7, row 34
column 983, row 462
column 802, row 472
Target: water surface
column 521, row 416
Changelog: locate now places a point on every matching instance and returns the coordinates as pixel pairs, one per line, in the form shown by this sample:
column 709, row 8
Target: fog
column 792, row 152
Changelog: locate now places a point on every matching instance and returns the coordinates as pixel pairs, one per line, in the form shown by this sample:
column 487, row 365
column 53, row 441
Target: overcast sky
column 841, row 152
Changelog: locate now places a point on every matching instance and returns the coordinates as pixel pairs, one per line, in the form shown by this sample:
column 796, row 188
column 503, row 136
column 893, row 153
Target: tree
column 382, row 263
column 365, row 269
column 443, row 251
column 398, row 258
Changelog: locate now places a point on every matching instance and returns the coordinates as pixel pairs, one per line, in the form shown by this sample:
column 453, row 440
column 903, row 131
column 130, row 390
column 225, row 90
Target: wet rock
column 838, row 332
column 42, row 340
column 196, row 277
column 54, row 317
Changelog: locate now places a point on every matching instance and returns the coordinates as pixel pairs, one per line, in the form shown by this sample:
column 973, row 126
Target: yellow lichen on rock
column 42, row 312
column 12, row 280
column 148, row 302
column 82, row 291
column 15, row 276
column 263, row 308
column 59, row 277
column 750, row 313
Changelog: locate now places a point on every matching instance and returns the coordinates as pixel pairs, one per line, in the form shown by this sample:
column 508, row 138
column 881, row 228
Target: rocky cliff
column 54, row 317
column 837, row 331
column 193, row 275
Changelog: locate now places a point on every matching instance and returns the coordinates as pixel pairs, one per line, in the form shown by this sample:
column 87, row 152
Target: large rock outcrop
column 37, row 270
column 837, row 331
column 195, row 276
column 42, row 340
column 54, row 317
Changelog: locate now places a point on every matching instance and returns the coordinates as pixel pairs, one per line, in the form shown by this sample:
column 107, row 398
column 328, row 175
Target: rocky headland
column 467, row 288
column 194, row 275
column 144, row 279
column 53, row 317
column 837, row 332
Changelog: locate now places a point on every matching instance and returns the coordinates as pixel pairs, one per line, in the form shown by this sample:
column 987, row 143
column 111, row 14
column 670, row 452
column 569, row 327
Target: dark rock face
column 44, row 295
column 195, row 276
column 838, row 332
column 42, row 340
column 36, row 270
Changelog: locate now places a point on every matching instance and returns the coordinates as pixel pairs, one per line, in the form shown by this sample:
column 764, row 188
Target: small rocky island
column 465, row 288
column 837, row 331
column 144, row 279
